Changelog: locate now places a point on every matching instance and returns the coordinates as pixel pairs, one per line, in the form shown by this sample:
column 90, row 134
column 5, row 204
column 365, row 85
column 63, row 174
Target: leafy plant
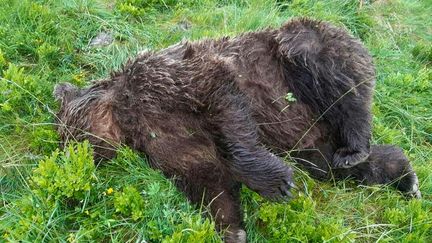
column 129, row 202
column 300, row 221
column 289, row 97
column 64, row 198
column 66, row 174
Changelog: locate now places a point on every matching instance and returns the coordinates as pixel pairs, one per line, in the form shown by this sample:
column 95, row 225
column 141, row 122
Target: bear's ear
column 64, row 91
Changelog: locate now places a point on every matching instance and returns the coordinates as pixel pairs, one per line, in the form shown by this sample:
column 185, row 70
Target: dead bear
column 218, row 113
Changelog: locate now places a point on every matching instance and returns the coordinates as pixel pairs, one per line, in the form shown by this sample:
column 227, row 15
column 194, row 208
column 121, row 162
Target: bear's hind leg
column 214, row 187
column 386, row 164
column 179, row 146
column 333, row 73
column 353, row 133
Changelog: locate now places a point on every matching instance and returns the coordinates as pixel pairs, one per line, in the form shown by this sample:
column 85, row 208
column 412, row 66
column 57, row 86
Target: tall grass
column 46, row 42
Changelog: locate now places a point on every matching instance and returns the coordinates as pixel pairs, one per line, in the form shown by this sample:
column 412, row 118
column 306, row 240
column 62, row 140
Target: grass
column 54, row 196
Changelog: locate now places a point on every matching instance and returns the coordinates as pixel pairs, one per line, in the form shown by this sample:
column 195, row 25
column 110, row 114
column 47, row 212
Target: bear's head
column 86, row 114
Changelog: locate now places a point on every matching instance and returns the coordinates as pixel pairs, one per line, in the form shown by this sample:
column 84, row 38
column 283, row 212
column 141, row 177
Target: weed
column 52, row 195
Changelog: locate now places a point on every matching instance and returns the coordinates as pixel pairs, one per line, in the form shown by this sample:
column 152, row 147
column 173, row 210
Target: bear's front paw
column 276, row 185
column 347, row 158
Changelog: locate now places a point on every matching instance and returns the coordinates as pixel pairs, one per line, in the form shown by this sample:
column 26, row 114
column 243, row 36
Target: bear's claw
column 415, row 189
column 277, row 187
column 235, row 236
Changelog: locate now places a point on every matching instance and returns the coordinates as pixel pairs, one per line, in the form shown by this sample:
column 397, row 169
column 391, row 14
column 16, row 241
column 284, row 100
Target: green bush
column 68, row 199
column 299, row 221
column 193, row 229
column 129, row 202
column 61, row 181
column 45, row 42
column 65, row 175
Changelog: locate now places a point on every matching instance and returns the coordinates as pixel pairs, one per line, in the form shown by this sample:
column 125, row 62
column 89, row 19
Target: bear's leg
column 235, row 135
column 354, row 132
column 333, row 73
column 386, row 164
column 182, row 149
column 347, row 113
column 214, row 187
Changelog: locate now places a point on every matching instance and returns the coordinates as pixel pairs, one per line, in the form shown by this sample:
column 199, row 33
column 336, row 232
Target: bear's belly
column 283, row 122
column 290, row 129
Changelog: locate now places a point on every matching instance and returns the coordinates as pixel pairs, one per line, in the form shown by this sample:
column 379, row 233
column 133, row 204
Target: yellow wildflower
column 110, row 190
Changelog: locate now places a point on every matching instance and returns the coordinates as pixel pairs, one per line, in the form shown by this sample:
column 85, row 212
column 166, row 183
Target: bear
column 218, row 113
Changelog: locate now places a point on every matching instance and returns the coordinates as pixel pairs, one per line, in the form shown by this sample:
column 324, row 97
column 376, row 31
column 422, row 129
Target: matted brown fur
column 217, row 113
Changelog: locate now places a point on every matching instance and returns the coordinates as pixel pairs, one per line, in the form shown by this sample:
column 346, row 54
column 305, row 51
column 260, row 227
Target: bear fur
column 216, row 114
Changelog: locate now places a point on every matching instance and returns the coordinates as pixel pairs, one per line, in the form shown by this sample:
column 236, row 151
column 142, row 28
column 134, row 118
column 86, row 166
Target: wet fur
column 213, row 114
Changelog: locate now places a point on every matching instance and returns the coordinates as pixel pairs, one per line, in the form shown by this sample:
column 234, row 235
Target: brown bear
column 217, row 113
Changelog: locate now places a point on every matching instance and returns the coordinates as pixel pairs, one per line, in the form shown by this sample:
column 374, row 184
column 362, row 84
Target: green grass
column 53, row 196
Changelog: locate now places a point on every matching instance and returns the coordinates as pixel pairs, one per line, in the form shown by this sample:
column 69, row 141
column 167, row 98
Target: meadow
column 52, row 195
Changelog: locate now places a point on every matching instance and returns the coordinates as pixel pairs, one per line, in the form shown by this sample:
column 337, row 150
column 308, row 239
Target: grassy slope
column 44, row 42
